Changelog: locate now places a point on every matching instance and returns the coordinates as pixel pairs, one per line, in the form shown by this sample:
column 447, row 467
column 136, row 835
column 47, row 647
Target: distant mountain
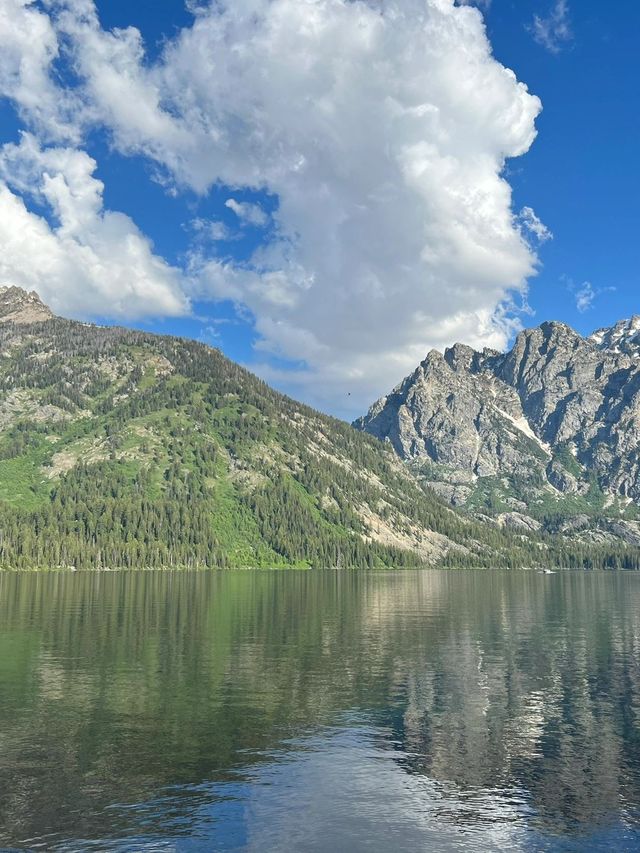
column 623, row 337
column 125, row 449
column 545, row 436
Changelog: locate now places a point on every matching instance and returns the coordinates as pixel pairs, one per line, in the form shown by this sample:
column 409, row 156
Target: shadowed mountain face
column 551, row 426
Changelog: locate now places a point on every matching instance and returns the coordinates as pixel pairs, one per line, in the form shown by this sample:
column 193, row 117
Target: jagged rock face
column 623, row 337
column 557, row 409
column 18, row 306
column 456, row 411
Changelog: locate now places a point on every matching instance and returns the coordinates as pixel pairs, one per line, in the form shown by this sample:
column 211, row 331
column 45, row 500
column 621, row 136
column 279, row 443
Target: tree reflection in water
column 249, row 707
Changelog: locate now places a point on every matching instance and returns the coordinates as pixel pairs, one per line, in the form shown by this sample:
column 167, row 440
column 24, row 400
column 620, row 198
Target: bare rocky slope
column 545, row 436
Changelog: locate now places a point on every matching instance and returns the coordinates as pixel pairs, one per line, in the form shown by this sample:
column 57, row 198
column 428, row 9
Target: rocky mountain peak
column 557, row 414
column 624, row 337
column 20, row 306
column 461, row 357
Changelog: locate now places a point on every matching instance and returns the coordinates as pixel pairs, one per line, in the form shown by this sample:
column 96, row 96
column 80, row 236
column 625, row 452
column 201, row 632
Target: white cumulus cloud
column 383, row 131
column 29, row 48
column 88, row 261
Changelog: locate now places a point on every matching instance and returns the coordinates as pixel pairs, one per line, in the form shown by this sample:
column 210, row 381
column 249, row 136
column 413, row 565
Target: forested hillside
column 120, row 449
column 123, row 449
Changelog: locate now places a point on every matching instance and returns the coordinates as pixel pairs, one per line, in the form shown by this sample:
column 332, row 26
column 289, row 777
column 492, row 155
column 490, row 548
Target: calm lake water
column 320, row 711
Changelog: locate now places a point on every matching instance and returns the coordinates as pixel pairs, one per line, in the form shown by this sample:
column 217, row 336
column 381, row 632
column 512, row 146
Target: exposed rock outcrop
column 18, row 306
column 559, row 414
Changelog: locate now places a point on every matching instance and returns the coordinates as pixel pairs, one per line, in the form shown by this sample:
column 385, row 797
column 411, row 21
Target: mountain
column 125, row 449
column 122, row 449
column 545, row 436
column 18, row 306
column 623, row 337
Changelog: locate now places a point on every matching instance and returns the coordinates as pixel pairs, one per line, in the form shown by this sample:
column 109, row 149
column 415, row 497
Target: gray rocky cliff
column 559, row 414
column 19, row 306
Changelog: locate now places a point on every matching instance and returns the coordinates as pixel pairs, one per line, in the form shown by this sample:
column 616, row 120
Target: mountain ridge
column 558, row 415
column 122, row 449
column 19, row 306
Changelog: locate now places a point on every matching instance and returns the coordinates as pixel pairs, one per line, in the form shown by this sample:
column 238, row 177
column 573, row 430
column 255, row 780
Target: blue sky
column 581, row 175
column 318, row 188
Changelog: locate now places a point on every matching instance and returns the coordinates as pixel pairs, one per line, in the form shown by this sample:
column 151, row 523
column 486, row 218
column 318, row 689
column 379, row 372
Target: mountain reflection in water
column 320, row 711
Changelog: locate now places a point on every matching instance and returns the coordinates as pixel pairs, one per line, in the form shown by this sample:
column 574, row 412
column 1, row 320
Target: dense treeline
column 547, row 552
column 170, row 455
column 100, row 517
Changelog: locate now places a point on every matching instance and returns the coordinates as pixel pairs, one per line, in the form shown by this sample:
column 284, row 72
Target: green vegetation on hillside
column 120, row 449
column 129, row 450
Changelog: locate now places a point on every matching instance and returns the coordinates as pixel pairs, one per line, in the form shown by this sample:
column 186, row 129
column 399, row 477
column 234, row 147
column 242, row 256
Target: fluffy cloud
column 554, row 30
column 28, row 50
column 91, row 261
column 382, row 129
column 247, row 212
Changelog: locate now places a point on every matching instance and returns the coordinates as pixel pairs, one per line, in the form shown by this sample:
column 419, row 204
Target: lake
column 320, row 711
